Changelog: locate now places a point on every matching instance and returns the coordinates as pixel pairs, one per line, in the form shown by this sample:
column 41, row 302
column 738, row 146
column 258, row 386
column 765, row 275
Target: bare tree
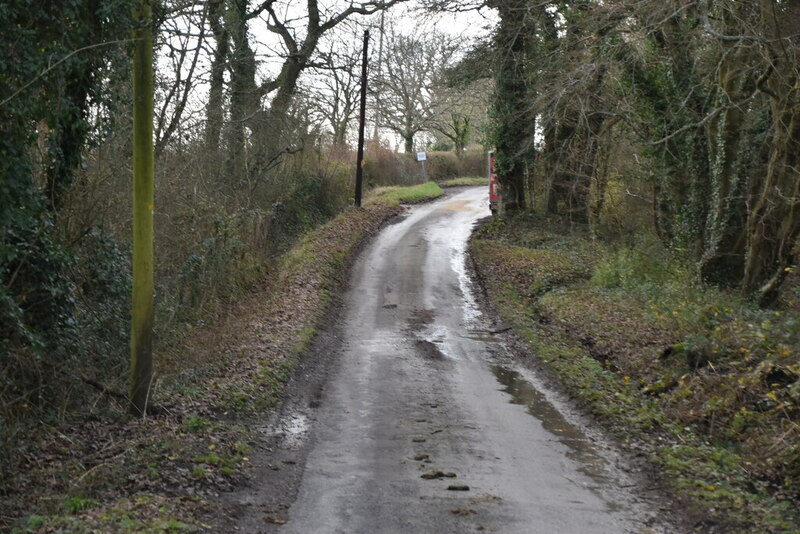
column 338, row 86
column 774, row 222
column 411, row 92
column 462, row 112
column 299, row 36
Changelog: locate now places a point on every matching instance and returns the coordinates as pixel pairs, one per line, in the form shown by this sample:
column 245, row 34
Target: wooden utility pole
column 141, row 371
column 362, row 118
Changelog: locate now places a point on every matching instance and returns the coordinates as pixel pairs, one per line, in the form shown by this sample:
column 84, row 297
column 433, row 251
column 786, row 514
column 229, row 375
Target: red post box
column 494, row 193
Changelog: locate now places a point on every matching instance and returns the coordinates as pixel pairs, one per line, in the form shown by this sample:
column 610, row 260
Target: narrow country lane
column 427, row 425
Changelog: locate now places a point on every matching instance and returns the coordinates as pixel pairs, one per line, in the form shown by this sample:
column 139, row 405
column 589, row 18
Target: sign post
column 422, row 157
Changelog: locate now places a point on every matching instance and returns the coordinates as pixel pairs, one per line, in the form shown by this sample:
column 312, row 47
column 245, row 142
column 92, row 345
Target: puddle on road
column 457, row 205
column 580, row 447
column 293, row 428
column 458, row 262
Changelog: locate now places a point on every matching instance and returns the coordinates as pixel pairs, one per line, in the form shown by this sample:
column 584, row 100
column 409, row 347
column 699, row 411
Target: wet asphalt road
column 423, row 388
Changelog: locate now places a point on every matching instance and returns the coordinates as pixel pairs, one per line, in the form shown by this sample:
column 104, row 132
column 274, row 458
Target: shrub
column 442, row 166
column 473, row 162
column 646, row 268
column 384, row 167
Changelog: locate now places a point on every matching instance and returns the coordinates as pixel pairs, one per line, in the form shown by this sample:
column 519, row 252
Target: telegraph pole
column 362, row 118
column 141, row 370
column 379, row 71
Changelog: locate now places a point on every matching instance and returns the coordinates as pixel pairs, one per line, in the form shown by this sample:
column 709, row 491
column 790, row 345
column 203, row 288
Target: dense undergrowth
column 705, row 382
column 99, row 470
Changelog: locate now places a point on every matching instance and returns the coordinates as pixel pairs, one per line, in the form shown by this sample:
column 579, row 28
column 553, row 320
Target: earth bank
column 701, row 383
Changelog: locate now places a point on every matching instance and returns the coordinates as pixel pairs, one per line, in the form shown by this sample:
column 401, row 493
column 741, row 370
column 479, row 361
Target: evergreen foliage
column 57, row 63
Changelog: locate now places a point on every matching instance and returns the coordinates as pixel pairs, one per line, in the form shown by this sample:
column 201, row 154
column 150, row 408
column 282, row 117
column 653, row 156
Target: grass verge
column 406, row 195
column 455, row 182
column 692, row 377
column 108, row 473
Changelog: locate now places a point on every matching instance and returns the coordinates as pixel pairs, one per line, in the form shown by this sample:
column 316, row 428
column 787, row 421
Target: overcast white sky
column 407, row 17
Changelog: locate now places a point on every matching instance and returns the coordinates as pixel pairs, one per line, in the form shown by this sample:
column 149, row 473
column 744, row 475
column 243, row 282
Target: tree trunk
column 65, row 141
column 215, row 110
column 272, row 127
column 461, row 133
column 774, row 223
column 513, row 129
column 340, row 133
column 669, row 98
column 722, row 260
column 243, row 92
column 599, row 181
column 408, row 143
column 142, row 300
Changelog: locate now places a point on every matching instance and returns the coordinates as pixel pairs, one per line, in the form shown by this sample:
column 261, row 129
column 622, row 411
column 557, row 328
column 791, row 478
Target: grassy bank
column 407, row 195
column 694, row 377
column 475, row 180
column 102, row 471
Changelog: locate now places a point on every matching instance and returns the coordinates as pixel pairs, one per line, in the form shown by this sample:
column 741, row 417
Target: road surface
column 426, row 424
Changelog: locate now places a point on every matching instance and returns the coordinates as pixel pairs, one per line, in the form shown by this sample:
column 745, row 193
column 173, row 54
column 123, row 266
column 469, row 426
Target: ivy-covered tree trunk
column 243, row 92
column 215, row 110
column 684, row 153
column 671, row 103
column 574, row 117
column 142, row 303
column 68, row 130
column 722, row 260
column 461, row 130
column 513, row 125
